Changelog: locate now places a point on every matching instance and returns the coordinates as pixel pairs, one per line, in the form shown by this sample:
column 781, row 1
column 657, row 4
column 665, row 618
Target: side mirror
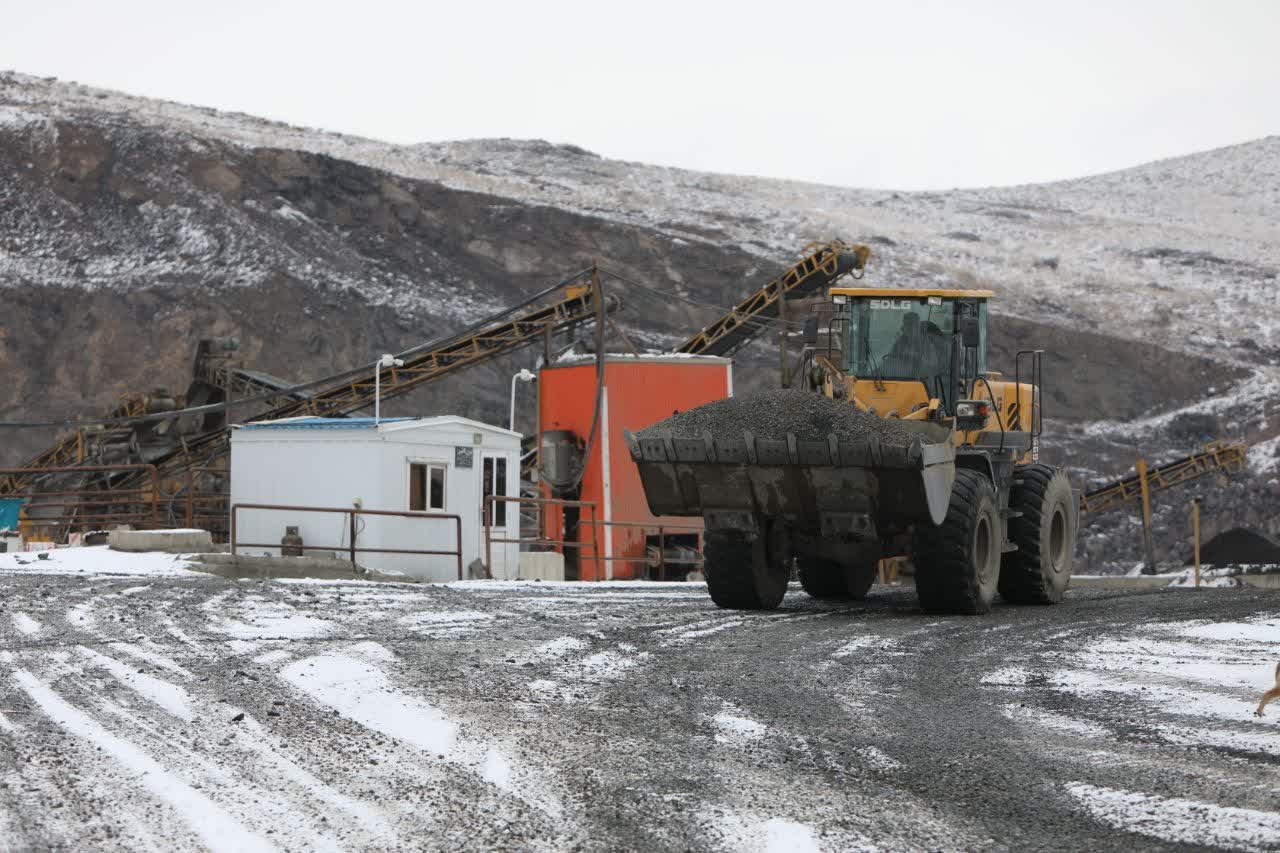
column 811, row 332
column 970, row 334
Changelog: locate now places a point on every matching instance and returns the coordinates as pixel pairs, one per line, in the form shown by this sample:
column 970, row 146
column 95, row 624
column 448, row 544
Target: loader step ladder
column 1217, row 457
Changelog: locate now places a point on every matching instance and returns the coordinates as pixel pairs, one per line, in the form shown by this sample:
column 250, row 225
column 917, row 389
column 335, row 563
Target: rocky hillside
column 129, row 226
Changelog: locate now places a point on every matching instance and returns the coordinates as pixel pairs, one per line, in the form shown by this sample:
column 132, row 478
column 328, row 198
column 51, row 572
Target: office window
column 495, row 483
column 426, row 487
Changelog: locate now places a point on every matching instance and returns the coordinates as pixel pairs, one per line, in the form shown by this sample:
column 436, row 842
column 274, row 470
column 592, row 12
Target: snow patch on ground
column 363, row 692
column 733, row 728
column 863, row 645
column 1262, row 742
column 25, row 624
column 603, row 666
column 554, row 650
column 1054, row 721
column 262, row 620
column 272, row 657
column 751, row 833
column 1009, row 676
column 878, row 758
column 218, row 829
column 150, row 653
column 170, row 697
column 442, row 617
column 96, row 560
column 715, row 629
column 1261, row 630
column 1179, row 821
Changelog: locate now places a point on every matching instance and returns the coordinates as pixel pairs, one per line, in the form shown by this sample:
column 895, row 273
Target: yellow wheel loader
column 956, row 485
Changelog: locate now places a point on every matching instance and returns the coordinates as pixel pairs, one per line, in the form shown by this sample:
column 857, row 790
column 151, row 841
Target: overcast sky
column 877, row 94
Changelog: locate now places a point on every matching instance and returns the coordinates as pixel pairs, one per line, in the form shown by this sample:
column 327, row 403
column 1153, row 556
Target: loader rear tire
column 958, row 562
column 739, row 574
column 851, row 580
column 820, row 578
column 1039, row 571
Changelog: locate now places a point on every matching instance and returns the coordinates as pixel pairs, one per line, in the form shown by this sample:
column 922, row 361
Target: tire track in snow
column 171, row 697
column 252, row 778
column 361, row 691
column 1179, row 821
column 215, row 827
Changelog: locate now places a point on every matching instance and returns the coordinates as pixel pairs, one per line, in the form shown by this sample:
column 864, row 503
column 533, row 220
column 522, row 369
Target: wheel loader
column 965, row 497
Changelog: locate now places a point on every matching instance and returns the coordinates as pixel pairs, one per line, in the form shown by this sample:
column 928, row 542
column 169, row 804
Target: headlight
column 973, row 410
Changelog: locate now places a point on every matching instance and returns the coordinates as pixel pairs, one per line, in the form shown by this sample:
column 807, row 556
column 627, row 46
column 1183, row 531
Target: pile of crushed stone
column 1238, row 547
column 773, row 414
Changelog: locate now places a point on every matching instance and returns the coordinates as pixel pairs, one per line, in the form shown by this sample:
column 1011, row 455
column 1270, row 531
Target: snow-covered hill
column 320, row 248
column 1182, row 252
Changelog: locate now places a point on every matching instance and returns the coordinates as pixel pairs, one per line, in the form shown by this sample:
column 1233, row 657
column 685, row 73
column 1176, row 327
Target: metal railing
column 66, row 510
column 661, row 531
column 596, row 526
column 205, row 509
column 490, row 541
column 353, row 531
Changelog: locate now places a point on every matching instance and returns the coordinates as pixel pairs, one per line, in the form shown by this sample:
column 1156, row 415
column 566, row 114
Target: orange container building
column 638, row 392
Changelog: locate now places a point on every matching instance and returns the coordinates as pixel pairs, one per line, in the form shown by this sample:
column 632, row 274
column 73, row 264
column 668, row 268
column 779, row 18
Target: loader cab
column 909, row 346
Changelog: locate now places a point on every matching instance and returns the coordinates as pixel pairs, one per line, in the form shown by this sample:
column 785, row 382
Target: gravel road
column 185, row 711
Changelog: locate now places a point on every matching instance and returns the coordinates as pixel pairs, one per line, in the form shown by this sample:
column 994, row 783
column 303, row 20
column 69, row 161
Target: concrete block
column 166, row 541
column 265, row 566
column 541, row 565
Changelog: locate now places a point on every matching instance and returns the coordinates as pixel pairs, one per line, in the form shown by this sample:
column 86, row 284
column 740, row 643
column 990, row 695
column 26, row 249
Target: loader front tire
column 739, row 574
column 1039, row 571
column 958, row 562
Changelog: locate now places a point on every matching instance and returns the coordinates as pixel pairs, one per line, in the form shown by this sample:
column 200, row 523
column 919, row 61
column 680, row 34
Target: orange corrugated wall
column 641, row 392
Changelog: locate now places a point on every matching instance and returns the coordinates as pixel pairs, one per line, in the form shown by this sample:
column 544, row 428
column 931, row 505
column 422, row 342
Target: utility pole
column 782, row 340
column 1150, row 568
column 1195, row 535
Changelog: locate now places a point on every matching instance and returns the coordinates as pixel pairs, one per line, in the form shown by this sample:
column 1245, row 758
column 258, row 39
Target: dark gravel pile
column 1237, row 547
column 773, row 414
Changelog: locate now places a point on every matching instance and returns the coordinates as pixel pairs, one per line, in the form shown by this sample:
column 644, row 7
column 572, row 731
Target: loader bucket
column 836, row 487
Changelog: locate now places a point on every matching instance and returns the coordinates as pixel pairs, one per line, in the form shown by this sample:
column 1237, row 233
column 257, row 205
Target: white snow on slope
column 216, row 828
column 1183, row 251
column 1180, row 821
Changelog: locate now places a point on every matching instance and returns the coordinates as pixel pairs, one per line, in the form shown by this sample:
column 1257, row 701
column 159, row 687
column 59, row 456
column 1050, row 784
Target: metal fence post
column 457, row 521
column 662, row 553
column 487, row 519
column 353, row 537
column 155, row 496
